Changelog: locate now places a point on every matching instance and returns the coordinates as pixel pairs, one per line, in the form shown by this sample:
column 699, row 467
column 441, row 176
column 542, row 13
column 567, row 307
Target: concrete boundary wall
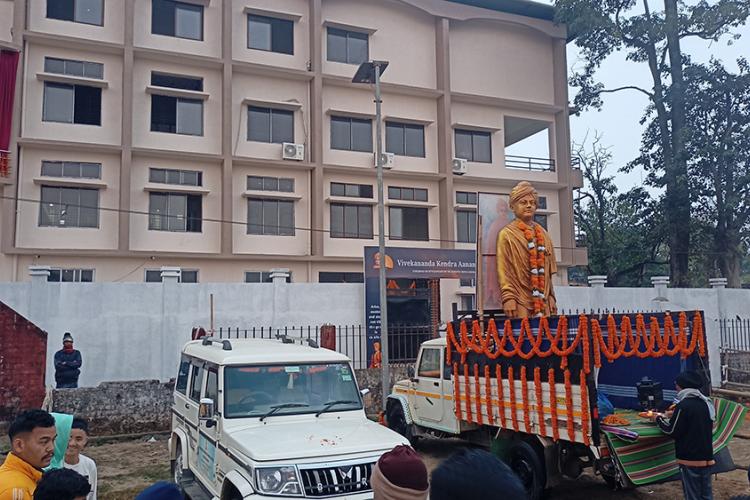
column 134, row 331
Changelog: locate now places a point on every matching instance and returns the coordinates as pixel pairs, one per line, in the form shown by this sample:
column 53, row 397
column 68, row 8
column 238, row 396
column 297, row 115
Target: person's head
column 688, row 380
column 523, row 201
column 62, row 484
column 399, row 473
column 79, row 438
column 32, row 437
column 160, row 491
column 68, row 340
column 471, row 474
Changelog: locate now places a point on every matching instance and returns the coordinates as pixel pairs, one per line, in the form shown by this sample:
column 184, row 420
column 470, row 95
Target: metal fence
column 351, row 340
column 530, row 163
column 734, row 334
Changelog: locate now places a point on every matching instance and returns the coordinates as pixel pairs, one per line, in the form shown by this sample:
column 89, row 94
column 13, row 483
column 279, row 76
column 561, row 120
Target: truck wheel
column 396, row 420
column 525, row 462
column 178, row 467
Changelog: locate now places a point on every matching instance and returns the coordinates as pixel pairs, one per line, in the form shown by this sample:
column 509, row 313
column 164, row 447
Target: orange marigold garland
column 488, row 394
column 584, row 409
column 525, row 400
column 477, row 394
column 569, row 406
column 467, row 388
column 456, row 391
column 512, row 390
column 553, row 403
column 535, row 243
column 500, row 396
column 539, row 400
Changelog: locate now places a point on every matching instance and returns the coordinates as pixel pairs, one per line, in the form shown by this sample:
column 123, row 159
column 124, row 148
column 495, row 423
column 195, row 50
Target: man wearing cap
column 691, row 426
column 400, row 474
column 67, row 364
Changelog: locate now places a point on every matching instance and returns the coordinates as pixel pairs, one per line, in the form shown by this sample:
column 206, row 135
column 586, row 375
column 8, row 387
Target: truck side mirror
column 364, row 392
column 410, row 371
column 206, row 411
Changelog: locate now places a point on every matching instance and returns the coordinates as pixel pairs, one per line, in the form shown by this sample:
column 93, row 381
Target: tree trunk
column 678, row 192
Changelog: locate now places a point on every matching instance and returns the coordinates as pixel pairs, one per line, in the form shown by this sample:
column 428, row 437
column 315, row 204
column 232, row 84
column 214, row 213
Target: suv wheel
column 178, row 467
column 396, row 420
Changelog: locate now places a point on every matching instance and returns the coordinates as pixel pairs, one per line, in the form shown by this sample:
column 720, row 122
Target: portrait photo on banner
column 495, row 212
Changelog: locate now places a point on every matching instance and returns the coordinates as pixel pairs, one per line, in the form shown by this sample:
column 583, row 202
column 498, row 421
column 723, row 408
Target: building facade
column 225, row 137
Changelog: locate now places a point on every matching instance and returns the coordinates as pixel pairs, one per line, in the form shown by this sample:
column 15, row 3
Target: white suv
column 256, row 419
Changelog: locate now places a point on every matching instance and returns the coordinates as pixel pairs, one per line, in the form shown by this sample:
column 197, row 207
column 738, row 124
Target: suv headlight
column 282, row 481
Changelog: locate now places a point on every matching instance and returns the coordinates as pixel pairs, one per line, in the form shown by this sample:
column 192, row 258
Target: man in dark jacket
column 67, row 364
column 691, row 426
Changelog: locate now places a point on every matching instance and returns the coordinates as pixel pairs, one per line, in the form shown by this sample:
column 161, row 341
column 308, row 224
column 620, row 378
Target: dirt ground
column 125, row 468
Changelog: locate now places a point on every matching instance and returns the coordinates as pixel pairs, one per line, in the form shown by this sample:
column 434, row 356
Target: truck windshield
column 253, row 391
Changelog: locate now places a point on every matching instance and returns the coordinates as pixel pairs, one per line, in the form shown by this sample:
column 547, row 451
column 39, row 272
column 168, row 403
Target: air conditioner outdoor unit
column 459, row 166
column 291, row 151
column 386, row 159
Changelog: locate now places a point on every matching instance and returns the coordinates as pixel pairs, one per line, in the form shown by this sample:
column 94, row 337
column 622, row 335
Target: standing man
column 67, row 364
column 32, row 442
column 525, row 259
column 691, row 426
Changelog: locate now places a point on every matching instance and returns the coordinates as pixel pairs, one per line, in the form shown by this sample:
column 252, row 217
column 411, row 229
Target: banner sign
column 422, row 263
column 495, row 213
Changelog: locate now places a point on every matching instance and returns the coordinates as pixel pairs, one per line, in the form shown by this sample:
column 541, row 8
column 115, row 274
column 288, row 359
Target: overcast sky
column 618, row 119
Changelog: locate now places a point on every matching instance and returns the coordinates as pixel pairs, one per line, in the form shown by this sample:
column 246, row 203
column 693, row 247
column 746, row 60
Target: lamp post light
column 370, row 72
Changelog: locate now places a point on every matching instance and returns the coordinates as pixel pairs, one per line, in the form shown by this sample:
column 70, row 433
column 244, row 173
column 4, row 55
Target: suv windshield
column 253, row 391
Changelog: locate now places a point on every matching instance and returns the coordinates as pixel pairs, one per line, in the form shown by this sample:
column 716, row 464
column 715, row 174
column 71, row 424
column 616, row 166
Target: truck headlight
column 281, row 481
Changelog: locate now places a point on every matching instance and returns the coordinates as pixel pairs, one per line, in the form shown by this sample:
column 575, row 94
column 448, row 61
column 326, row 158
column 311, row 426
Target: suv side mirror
column 206, row 411
column 364, row 392
column 410, row 371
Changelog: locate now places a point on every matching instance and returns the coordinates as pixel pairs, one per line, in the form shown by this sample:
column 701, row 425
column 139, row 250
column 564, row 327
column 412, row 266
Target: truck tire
column 524, row 460
column 177, row 467
column 396, row 420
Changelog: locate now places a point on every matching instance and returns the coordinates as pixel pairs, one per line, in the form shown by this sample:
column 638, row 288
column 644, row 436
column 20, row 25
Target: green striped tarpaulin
column 650, row 458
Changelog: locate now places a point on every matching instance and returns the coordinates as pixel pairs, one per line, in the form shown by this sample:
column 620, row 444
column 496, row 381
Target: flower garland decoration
column 539, row 400
column 500, row 395
column 467, row 388
column 569, row 406
column 585, row 409
column 512, row 390
column 478, row 395
column 488, row 394
column 553, row 403
column 535, row 244
column 456, row 392
column 525, row 400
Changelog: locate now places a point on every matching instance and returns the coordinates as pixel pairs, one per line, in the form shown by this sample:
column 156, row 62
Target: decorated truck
column 531, row 390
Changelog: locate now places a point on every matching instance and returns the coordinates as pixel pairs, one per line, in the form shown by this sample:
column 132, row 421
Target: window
column 429, row 363
column 466, row 226
column 79, row 11
column 408, row 194
column 351, row 134
column 71, row 276
column 468, row 302
column 65, row 103
column 541, row 203
column 195, row 383
column 182, row 376
column 337, row 277
column 212, row 385
column 72, row 169
column 176, row 115
column 270, row 217
column 175, row 212
column 179, row 177
column 263, row 183
column 541, row 219
column 69, row 207
column 70, row 67
column 347, row 46
column 185, row 276
column 404, row 139
column 351, row 190
column 473, row 146
column 262, row 277
column 270, row 33
column 467, row 282
column 270, row 125
column 178, row 19
column 408, row 223
column 351, row 221
column 466, row 198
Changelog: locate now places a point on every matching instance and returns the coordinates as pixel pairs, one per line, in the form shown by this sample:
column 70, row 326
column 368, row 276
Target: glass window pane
column 50, row 208
column 282, row 126
column 471, row 198
column 461, row 197
column 88, row 105
column 58, row 103
column 340, row 133
column 365, row 191
column 162, row 17
column 54, row 65
column 91, row 170
column 394, row 138
column 163, row 114
column 365, row 221
column 361, row 135
column 190, row 178
column 93, row 70
column 157, row 175
column 282, row 36
column 188, row 276
column 54, row 275
column 259, row 124
column 414, row 223
column 338, row 189
column 68, row 275
column 394, row 193
column 70, row 210
column 60, row 9
column 252, row 277
column 157, row 219
column 71, row 169
column 472, row 218
column 414, row 140
column 52, row 168
column 153, row 276
column 88, row 11
column 254, row 216
column 189, row 21
column 177, row 210
column 270, row 217
column 482, row 149
column 357, row 52
column 189, row 117
column 420, row 195
column 352, row 190
column 350, row 221
column 87, row 275
column 258, row 32
column 407, row 194
column 395, row 220
column 336, row 45
column 173, row 176
column 286, row 218
column 463, row 145
column 73, row 68
column 286, row 185
column 176, row 81
column 255, row 182
column 337, row 221
column 270, row 184
column 89, row 212
column 542, row 202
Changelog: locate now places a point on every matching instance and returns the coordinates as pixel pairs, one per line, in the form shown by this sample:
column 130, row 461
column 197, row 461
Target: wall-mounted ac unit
column 459, row 166
column 291, row 151
column 386, row 159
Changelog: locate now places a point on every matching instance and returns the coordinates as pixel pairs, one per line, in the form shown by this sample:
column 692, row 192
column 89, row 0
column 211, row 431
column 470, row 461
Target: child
column 74, row 459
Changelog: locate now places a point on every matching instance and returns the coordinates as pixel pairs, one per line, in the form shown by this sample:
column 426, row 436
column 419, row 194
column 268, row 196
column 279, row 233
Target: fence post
column 328, row 337
column 719, row 285
column 660, row 284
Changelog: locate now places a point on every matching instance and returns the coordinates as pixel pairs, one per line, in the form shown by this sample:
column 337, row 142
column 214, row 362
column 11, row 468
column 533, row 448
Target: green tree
column 602, row 27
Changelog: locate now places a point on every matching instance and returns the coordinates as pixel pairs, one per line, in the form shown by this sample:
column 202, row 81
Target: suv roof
column 260, row 351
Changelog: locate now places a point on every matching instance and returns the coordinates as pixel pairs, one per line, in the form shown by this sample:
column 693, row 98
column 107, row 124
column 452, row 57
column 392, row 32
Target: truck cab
column 256, row 419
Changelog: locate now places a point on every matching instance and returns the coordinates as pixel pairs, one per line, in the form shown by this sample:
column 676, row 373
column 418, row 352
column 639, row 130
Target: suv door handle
column 436, row 384
column 187, row 406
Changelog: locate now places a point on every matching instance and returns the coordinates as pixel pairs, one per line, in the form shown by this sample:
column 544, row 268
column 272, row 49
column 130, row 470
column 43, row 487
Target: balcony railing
column 530, row 163
column 4, row 164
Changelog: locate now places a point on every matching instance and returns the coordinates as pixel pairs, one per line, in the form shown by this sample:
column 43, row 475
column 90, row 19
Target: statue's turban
column 522, row 189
